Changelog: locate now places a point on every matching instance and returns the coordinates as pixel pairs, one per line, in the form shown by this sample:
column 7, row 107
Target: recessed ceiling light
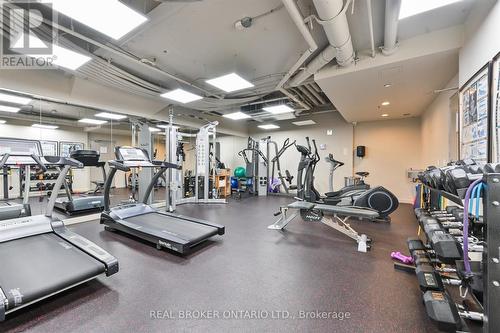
column 10, row 109
column 269, row 126
column 95, row 14
column 182, row 96
column 92, row 121
column 112, row 116
column 43, row 126
column 386, row 103
column 3, row 121
column 278, row 109
column 237, row 116
column 304, row 122
column 14, row 99
column 385, row 115
column 387, row 85
column 412, row 7
column 154, row 129
column 230, row 82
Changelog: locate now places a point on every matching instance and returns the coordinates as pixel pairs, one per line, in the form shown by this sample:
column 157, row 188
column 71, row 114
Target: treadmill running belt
column 37, row 266
column 189, row 231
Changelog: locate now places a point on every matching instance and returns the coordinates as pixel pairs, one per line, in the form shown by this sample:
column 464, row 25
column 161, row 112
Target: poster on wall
column 66, row 148
column 495, row 106
column 474, row 117
column 49, row 148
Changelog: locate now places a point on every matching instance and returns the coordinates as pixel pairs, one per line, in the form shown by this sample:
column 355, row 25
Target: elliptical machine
column 378, row 199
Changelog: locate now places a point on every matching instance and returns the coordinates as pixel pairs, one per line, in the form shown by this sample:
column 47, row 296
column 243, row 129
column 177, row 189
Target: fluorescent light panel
column 415, row 7
column 10, row 109
column 63, row 57
column 67, row 58
column 110, row 17
column 154, row 129
column 92, row 121
column 278, row 109
column 237, row 116
column 386, row 103
column 112, row 116
column 14, row 99
column 269, row 126
column 181, row 96
column 2, row 121
column 304, row 122
column 43, row 126
column 230, row 82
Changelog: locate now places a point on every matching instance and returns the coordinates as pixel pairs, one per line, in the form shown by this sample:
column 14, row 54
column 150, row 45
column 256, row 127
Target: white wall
column 105, row 145
column 482, row 40
column 339, row 144
column 229, row 148
column 437, row 127
column 392, row 147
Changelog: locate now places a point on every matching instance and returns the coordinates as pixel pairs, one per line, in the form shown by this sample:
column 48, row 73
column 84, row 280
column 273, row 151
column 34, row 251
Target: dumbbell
column 445, row 314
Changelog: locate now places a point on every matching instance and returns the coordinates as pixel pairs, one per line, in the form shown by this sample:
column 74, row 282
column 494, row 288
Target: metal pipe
column 315, row 94
column 325, row 57
column 332, row 16
column 297, row 18
column 392, row 8
column 306, row 92
column 370, row 25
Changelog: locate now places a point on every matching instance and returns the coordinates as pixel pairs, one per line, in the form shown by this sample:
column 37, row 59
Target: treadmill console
column 133, row 157
column 21, row 150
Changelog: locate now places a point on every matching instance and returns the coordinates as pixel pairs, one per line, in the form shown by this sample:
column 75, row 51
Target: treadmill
column 8, row 208
column 83, row 202
column 39, row 257
column 167, row 230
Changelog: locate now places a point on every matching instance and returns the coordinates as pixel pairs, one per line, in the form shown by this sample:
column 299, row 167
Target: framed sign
column 65, row 148
column 49, row 148
column 495, row 107
column 474, row 117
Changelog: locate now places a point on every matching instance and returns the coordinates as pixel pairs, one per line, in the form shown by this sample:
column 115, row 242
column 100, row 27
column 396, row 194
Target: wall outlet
column 329, row 132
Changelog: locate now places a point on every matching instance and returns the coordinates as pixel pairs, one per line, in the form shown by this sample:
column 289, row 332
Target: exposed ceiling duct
column 332, row 16
column 392, row 8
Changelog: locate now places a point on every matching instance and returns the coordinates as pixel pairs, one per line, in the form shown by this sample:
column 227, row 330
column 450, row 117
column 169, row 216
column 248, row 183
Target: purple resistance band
column 466, row 224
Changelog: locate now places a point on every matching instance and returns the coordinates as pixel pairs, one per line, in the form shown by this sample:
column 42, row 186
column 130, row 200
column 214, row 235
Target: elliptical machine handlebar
column 316, row 156
column 336, row 164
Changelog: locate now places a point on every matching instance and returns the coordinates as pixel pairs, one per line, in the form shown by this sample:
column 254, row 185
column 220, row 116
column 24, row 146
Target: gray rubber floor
column 309, row 267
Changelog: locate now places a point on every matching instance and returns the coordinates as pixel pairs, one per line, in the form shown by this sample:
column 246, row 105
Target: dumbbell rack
column 491, row 250
column 35, row 191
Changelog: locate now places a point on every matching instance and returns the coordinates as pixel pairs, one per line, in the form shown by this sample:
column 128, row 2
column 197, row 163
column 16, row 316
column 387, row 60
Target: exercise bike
column 378, row 199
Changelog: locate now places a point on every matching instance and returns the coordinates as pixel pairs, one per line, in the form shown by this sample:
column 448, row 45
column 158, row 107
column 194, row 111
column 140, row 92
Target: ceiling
column 361, row 93
column 197, row 40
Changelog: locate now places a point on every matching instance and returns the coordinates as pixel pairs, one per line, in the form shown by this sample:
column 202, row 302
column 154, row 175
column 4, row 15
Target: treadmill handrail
column 115, row 164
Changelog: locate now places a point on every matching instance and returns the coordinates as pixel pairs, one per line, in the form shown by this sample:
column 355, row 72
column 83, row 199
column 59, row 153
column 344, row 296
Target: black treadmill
column 167, row 230
column 39, row 257
column 84, row 202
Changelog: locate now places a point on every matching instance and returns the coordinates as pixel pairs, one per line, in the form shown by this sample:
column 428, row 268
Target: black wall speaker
column 360, row 151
